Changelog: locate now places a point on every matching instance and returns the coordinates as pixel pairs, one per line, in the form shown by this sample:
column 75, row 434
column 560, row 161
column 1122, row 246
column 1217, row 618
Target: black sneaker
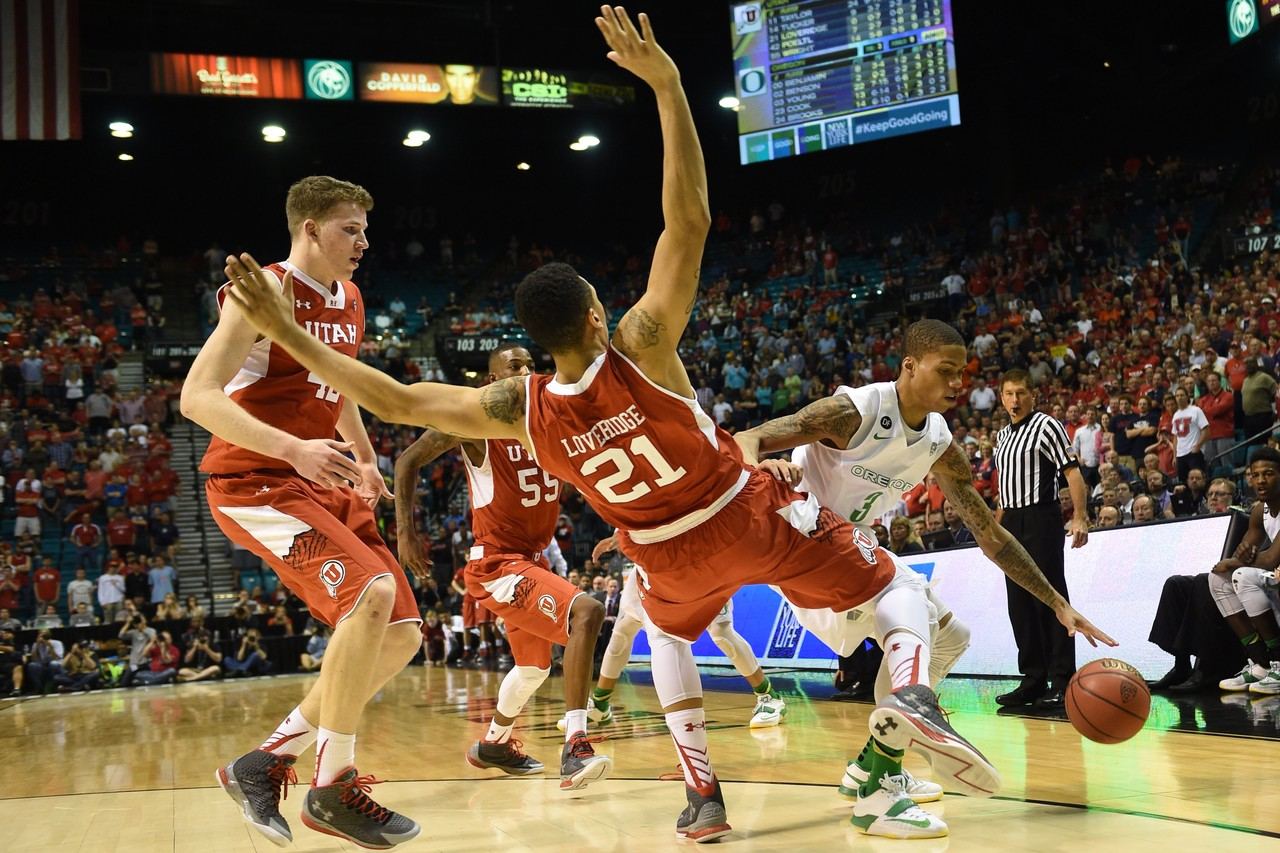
column 344, row 809
column 258, row 781
column 704, row 819
column 507, row 757
column 579, row 764
column 910, row 717
column 1023, row 694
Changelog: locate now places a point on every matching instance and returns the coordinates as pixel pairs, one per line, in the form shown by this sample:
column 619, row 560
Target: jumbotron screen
column 813, row 75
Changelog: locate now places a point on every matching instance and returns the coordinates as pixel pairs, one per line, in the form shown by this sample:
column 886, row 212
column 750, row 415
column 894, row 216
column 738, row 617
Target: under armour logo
column 302, row 303
column 895, row 647
column 883, row 728
column 324, row 813
column 688, row 727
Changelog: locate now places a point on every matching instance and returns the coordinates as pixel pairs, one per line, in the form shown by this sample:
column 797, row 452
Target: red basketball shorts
column 474, row 613
column 768, row 534
column 322, row 543
column 532, row 601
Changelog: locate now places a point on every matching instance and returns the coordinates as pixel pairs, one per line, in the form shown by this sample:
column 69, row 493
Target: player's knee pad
column 734, row 646
column 949, row 643
column 1224, row 594
column 905, row 607
column 517, row 687
column 618, row 652
column 1251, row 585
column 675, row 675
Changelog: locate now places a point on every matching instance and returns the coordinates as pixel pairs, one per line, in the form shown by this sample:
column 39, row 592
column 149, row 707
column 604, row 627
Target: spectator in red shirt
column 121, row 533
column 164, row 660
column 27, row 496
column 87, row 538
column 48, row 584
column 1219, row 407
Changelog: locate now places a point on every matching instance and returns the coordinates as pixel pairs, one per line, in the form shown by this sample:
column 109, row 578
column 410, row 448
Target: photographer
column 163, row 656
column 79, row 671
column 136, row 633
column 43, row 662
column 11, row 675
column 249, row 659
column 201, row 661
column 316, row 647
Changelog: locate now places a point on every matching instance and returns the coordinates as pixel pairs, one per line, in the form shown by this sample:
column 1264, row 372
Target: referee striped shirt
column 1028, row 457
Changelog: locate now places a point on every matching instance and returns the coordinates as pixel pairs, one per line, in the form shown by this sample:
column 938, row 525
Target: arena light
column 273, row 133
column 122, row 134
column 122, row 126
column 125, row 157
column 412, row 142
column 419, row 135
column 729, row 102
column 523, row 166
column 588, row 140
column 579, row 146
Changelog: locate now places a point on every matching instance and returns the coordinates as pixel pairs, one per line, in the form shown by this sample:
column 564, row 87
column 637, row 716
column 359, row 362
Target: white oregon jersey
column 1270, row 523
column 867, row 479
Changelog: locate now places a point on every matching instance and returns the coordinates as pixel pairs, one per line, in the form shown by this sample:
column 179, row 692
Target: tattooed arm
column 955, row 478
column 834, row 420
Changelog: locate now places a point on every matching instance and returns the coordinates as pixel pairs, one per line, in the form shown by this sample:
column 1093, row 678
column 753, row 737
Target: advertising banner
column 225, row 76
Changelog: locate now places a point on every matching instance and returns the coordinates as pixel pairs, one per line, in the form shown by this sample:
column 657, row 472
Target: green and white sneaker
column 920, row 790
column 889, row 812
column 1244, row 679
column 1270, row 683
column 769, row 711
column 595, row 716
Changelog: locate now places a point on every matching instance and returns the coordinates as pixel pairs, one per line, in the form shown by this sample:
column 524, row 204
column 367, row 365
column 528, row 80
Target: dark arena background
column 1085, row 191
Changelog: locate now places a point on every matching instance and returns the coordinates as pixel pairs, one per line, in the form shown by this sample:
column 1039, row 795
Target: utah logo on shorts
column 547, row 606
column 332, row 574
column 865, row 544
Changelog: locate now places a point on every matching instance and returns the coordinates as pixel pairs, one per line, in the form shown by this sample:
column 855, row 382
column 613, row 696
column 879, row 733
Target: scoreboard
column 812, row 75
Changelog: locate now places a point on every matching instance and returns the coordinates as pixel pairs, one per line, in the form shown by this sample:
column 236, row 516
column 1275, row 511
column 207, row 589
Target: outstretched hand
column 373, row 486
column 1075, row 623
column 637, row 52
column 604, row 546
column 268, row 309
column 784, row 470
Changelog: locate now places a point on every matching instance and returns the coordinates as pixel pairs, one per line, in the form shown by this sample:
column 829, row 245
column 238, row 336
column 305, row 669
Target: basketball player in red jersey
column 514, row 507
column 278, row 486
column 620, row 422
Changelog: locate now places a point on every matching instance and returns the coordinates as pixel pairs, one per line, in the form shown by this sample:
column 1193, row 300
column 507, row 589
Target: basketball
column 1108, row 701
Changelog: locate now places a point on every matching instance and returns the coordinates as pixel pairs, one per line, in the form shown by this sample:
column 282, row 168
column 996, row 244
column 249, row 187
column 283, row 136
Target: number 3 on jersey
column 621, row 460
column 859, row 514
column 325, row 391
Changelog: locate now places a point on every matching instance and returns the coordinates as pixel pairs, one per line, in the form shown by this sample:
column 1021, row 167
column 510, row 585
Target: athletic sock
column 335, row 754
column 689, row 731
column 292, row 736
column 1257, row 650
column 880, row 759
column 575, row 721
column 763, row 687
column 907, row 659
column 498, row 733
column 600, row 697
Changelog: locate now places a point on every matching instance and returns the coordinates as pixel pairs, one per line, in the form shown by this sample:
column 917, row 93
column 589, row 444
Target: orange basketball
column 1108, row 701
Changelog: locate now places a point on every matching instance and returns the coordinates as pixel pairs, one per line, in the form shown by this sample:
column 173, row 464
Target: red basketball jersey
column 644, row 456
column 275, row 389
column 514, row 503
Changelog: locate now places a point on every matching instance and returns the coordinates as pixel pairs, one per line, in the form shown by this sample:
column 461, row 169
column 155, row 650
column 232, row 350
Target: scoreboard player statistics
column 813, row 75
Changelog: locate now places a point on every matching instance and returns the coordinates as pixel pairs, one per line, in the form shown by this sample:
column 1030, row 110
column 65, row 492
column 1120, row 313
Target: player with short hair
column 619, row 421
column 858, row 450
column 279, row 486
column 514, row 508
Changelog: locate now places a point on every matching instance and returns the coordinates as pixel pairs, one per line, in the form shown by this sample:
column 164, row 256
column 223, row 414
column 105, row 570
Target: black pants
column 1045, row 652
column 1190, row 461
column 1255, row 424
column 1187, row 622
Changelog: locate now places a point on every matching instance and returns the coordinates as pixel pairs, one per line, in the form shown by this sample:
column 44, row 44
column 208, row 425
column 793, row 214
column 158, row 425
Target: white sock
column 907, row 659
column 689, row 731
column 498, row 733
column 292, row 736
column 335, row 755
column 574, row 722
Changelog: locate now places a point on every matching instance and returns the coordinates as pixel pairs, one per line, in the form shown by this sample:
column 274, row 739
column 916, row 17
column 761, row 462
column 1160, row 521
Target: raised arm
column 652, row 328
column 955, row 478
column 494, row 411
column 834, row 420
column 429, row 446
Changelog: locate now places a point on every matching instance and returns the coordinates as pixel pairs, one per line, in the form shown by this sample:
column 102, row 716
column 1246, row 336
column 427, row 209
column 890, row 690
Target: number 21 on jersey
column 625, row 467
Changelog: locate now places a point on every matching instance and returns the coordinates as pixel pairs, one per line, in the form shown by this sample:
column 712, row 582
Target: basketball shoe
column 579, row 764
column 910, row 717
column 507, row 757
column 345, row 810
column 888, row 811
column 858, row 771
column 1269, row 685
column 704, row 818
column 257, row 781
column 769, row 711
column 1244, row 679
column 595, row 715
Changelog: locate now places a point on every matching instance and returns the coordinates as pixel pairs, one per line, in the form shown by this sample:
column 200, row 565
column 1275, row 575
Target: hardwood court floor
column 133, row 770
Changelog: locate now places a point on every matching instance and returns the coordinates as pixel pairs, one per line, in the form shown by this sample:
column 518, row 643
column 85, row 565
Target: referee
column 1030, row 453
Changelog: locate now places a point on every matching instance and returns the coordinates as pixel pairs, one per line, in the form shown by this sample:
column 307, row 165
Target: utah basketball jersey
column 644, row 456
column 273, row 387
column 514, row 503
column 884, row 458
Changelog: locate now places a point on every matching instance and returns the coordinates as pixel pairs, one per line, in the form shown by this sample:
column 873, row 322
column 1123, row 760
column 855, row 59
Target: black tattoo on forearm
column 504, row 401
column 835, row 419
column 640, row 330
column 1017, row 564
